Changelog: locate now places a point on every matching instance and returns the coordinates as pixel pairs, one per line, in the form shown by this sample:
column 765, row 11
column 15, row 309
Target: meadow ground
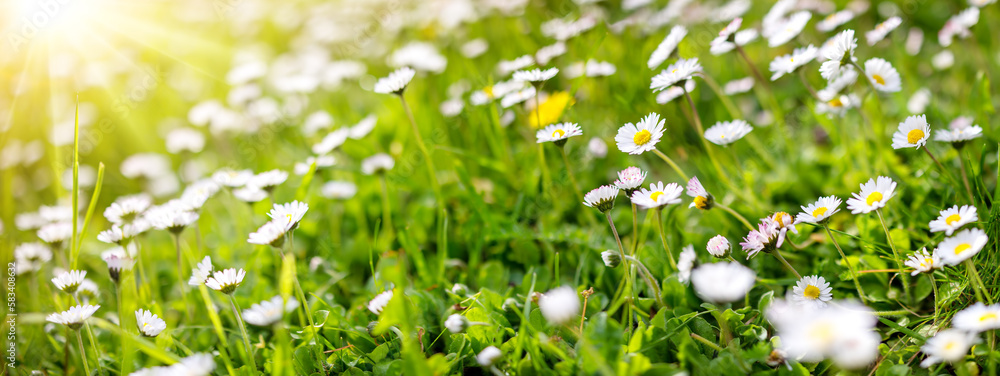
column 240, row 187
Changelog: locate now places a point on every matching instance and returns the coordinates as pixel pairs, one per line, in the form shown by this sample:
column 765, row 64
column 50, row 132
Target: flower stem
column 386, row 206
column 802, row 76
column 670, row 162
column 706, row 342
column 895, row 256
column 431, row 171
column 663, row 238
column 243, row 331
column 180, row 275
column 546, row 177
column 935, row 292
column 777, row 254
column 83, row 351
column 965, row 178
column 650, row 280
column 621, row 252
column 569, row 171
column 737, row 215
column 854, row 275
column 977, row 282
column 704, row 142
column 635, row 229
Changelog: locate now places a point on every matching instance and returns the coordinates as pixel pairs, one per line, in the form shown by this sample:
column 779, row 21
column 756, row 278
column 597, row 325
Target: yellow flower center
column 701, row 202
column 655, row 195
column 962, row 247
column 988, row 316
column 819, row 211
column 928, row 262
column 145, row 324
column 488, row 91
column 952, row 219
column 673, row 71
column 780, row 218
column 950, row 345
column 811, row 292
column 558, row 133
column 874, row 197
column 835, row 102
column 642, row 137
column 878, row 79
column 914, row 136
column 289, row 217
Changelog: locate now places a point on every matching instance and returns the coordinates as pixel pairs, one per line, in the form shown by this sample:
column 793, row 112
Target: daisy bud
column 371, row 328
column 611, row 259
column 488, row 356
column 510, row 302
column 719, row 246
column 378, row 303
column 560, row 305
column 459, row 289
column 456, row 323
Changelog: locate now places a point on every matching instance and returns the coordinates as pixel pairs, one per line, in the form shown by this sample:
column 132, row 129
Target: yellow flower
column 551, row 110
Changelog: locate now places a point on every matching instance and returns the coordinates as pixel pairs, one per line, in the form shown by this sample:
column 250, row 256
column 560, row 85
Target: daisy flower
column 518, row 96
column 882, row 75
column 918, row 101
column 31, row 256
column 674, row 92
column 291, row 213
column 55, row 234
column 268, row 180
column 959, row 131
column 786, row 64
column 378, row 163
column 250, row 194
column 127, row 209
column 641, row 137
column 874, row 194
column 962, row 246
column 535, row 76
column 362, row 128
column 834, row 20
column 912, row 133
column 819, row 211
column 788, row 29
column 232, row 178
column 785, row 222
column 601, row 198
column 953, row 218
column 456, row 323
column 545, row 54
column 339, row 190
column 702, row 199
column 331, row 141
column 834, row 86
column 718, row 246
column 171, row 218
column 200, row 364
column 395, row 82
column 838, row 55
column 630, row 179
column 680, row 70
column 950, row 345
column 685, row 263
column 69, row 281
column 201, row 272
column 322, row 161
column 842, row 332
column 722, row 282
column 505, row 67
column 958, row 25
column 74, row 316
column 268, row 312
column 977, row 318
column 882, row 29
column 149, row 324
column 559, row 305
column 923, row 262
column 726, row 132
column 981, row 3
column 226, row 281
column 838, row 105
column 739, row 86
column 812, row 291
column 558, row 133
column 658, row 195
column 378, row 303
column 765, row 238
column 667, row 46
column 271, row 233
column 488, row 356
column 721, row 45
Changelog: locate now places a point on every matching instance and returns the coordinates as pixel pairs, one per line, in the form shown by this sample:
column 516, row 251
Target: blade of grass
column 91, row 207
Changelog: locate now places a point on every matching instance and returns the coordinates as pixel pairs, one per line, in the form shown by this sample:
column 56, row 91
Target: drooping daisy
column 559, row 305
column 722, row 282
column 882, row 29
column 378, row 163
column 395, row 82
column 912, row 133
column 765, row 238
column 558, row 133
column 788, row 29
column 977, row 318
column 535, row 76
column 226, row 281
column 148, row 323
column 601, row 198
column 834, row 20
column 702, row 199
column 882, row 75
column 291, row 213
column 667, row 46
column 74, row 316
column 630, row 179
column 786, row 64
column 954, row 218
column 874, row 194
column 819, row 211
column 640, row 137
column 726, row 132
column 963, row 245
column 949, row 345
column 923, row 262
column 116, row 264
column 838, row 54
column 268, row 312
column 658, row 195
column 685, row 263
column 201, row 272
column 679, row 71
column 378, row 303
column 489, row 355
column 69, row 281
column 271, row 233
column 718, row 246
column 812, row 291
